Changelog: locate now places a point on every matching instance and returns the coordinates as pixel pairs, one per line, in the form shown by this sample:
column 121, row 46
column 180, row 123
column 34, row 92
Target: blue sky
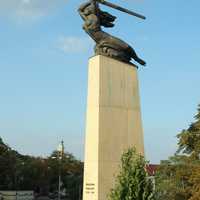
column 43, row 72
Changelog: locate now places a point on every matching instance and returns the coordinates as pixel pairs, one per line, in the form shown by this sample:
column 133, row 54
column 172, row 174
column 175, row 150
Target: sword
column 121, row 9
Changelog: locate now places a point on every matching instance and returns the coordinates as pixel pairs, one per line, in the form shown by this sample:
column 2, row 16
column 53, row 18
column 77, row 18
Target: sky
column 43, row 72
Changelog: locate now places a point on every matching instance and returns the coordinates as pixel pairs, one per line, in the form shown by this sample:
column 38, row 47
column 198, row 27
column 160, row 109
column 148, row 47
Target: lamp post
column 60, row 158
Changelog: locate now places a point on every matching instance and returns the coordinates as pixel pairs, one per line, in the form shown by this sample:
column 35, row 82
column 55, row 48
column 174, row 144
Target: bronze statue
column 106, row 44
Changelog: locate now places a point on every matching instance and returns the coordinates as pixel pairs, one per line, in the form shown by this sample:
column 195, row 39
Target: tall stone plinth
column 113, row 123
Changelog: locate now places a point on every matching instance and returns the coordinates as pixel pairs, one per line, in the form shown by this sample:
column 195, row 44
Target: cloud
column 29, row 9
column 71, row 44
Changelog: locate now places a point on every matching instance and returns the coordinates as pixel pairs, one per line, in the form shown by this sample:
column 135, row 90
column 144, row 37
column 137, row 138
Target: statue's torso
column 91, row 23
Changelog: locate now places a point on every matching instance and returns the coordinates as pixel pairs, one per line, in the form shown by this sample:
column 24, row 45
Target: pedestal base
column 113, row 123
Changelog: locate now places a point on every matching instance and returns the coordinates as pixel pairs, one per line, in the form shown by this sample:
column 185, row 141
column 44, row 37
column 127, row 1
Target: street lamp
column 60, row 158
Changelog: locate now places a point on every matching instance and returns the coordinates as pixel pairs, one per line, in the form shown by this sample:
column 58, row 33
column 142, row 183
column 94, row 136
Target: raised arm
column 91, row 7
column 82, row 9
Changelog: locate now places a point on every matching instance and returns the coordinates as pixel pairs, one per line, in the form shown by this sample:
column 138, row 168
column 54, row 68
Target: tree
column 195, row 183
column 20, row 172
column 132, row 183
column 72, row 174
column 8, row 160
column 189, row 140
column 179, row 177
column 172, row 179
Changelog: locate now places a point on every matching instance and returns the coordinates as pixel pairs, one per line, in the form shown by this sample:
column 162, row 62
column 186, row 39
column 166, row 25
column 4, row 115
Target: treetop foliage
column 189, row 140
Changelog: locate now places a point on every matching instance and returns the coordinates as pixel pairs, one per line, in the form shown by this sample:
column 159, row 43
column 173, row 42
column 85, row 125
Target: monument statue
column 113, row 120
column 106, row 44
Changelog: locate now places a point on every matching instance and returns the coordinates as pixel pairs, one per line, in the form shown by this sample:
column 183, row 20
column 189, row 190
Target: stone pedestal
column 113, row 123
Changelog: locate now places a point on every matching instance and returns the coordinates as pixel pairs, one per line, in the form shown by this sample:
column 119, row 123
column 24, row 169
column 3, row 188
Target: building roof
column 151, row 169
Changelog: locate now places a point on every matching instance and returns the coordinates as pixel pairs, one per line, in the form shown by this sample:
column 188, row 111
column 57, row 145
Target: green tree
column 179, row 177
column 8, row 160
column 189, row 140
column 195, row 183
column 72, row 174
column 132, row 183
column 31, row 173
column 172, row 179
